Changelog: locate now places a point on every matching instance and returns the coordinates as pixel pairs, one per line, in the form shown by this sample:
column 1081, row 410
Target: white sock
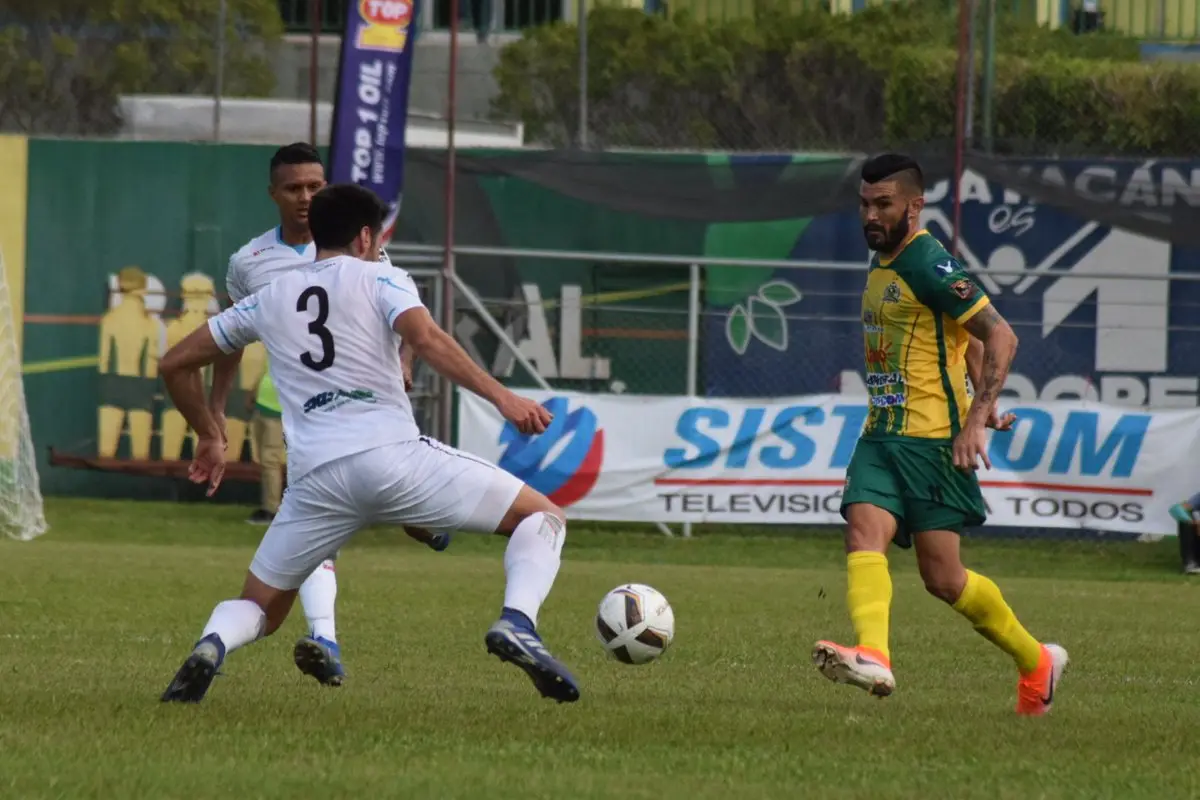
column 317, row 596
column 237, row 622
column 531, row 562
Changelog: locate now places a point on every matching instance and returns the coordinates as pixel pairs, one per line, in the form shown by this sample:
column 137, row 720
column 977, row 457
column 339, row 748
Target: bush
column 812, row 81
column 63, row 63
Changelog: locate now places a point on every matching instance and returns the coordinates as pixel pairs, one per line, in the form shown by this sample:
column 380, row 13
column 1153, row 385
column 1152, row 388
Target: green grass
column 96, row 616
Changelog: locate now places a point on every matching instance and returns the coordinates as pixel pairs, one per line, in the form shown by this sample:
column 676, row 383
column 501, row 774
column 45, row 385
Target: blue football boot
column 513, row 639
column 321, row 659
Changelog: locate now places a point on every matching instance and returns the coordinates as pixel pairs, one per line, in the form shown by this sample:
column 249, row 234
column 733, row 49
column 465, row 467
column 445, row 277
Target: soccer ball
column 635, row 623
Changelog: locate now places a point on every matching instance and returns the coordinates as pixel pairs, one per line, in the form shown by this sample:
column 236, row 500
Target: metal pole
column 582, row 13
column 989, row 79
column 693, row 356
column 313, row 64
column 446, row 406
column 219, row 85
column 969, row 133
column 959, row 119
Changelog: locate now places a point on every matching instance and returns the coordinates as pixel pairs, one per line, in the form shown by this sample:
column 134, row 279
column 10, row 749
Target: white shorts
column 422, row 483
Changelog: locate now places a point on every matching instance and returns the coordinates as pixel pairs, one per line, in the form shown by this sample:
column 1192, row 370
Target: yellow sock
column 982, row 603
column 869, row 597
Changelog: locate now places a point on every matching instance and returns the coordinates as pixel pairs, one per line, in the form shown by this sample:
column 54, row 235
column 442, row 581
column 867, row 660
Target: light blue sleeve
column 395, row 293
column 237, row 326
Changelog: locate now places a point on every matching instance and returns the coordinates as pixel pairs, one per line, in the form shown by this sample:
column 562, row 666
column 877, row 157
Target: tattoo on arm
column 980, row 326
column 998, row 351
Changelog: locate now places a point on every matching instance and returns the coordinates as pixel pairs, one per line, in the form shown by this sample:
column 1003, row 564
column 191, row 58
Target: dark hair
column 295, row 153
column 894, row 165
column 340, row 211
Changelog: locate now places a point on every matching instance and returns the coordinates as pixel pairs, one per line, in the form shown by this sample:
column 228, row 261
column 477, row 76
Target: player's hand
column 208, row 465
column 528, row 416
column 408, row 379
column 970, row 446
column 219, row 416
column 1000, row 423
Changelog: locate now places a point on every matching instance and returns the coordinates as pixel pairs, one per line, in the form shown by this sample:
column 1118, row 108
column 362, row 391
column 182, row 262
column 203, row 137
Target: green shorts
column 917, row 482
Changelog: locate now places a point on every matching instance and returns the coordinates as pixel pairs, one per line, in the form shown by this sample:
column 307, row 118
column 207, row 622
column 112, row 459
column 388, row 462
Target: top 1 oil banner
column 370, row 108
column 676, row 459
column 1128, row 339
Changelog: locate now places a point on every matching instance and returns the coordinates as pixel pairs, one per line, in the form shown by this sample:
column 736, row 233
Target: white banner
column 675, row 459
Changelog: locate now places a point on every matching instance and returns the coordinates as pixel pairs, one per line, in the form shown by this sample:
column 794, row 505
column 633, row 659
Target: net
column 21, row 510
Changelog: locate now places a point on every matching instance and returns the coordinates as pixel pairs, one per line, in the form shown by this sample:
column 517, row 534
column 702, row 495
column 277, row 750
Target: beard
column 884, row 240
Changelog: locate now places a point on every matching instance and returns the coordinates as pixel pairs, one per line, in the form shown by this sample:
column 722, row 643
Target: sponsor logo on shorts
column 576, row 442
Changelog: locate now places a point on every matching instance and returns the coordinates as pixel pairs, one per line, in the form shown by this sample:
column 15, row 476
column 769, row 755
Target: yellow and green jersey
column 913, row 312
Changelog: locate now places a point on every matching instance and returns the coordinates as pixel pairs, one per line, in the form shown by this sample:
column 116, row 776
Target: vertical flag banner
column 370, row 107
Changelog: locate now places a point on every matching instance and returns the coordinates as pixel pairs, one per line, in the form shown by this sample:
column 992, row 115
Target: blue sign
column 1112, row 339
column 370, row 110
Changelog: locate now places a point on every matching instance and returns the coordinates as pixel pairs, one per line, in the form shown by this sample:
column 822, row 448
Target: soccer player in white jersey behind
column 355, row 454
column 296, row 175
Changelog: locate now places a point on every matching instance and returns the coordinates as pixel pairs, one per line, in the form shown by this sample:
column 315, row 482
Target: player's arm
column 947, row 289
column 225, row 367
column 180, row 370
column 406, row 366
column 228, row 332
column 406, row 353
column 401, row 306
column 974, row 360
column 999, row 346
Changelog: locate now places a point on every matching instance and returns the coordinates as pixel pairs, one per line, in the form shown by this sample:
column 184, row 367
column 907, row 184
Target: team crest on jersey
column 964, row 288
column 892, row 293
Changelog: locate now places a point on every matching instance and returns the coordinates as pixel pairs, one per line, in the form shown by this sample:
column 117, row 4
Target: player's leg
column 258, row 612
column 537, row 530
column 437, row 542
column 943, row 502
column 315, row 519
column 319, row 653
column 873, row 511
column 440, row 489
column 268, row 433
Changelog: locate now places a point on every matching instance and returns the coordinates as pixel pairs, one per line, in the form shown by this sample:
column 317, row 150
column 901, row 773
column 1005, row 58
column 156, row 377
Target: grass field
column 96, row 616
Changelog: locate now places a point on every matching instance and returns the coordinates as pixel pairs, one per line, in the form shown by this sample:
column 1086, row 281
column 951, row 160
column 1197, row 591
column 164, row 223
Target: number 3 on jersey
column 317, row 328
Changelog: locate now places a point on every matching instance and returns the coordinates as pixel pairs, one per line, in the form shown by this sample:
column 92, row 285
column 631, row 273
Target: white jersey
column 266, row 257
column 327, row 328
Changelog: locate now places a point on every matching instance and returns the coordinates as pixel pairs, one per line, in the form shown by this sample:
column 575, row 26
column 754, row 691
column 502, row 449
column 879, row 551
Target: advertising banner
column 783, row 461
column 370, row 109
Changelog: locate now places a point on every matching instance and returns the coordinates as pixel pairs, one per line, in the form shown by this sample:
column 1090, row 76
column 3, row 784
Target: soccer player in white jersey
column 296, row 174
column 355, row 453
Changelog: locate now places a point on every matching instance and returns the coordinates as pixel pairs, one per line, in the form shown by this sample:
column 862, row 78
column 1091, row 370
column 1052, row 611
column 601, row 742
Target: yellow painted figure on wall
column 129, row 352
column 198, row 295
column 240, row 408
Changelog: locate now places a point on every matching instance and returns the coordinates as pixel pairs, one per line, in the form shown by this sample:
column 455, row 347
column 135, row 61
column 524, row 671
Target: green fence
column 151, row 227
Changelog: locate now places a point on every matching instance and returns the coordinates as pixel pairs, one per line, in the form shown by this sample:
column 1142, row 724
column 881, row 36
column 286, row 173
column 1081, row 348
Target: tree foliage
column 64, row 63
column 778, row 80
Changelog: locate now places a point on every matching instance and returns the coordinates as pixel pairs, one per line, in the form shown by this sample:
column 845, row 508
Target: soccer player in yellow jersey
column 912, row 478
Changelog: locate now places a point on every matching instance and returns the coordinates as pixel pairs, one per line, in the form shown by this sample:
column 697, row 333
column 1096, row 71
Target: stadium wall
column 174, row 209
